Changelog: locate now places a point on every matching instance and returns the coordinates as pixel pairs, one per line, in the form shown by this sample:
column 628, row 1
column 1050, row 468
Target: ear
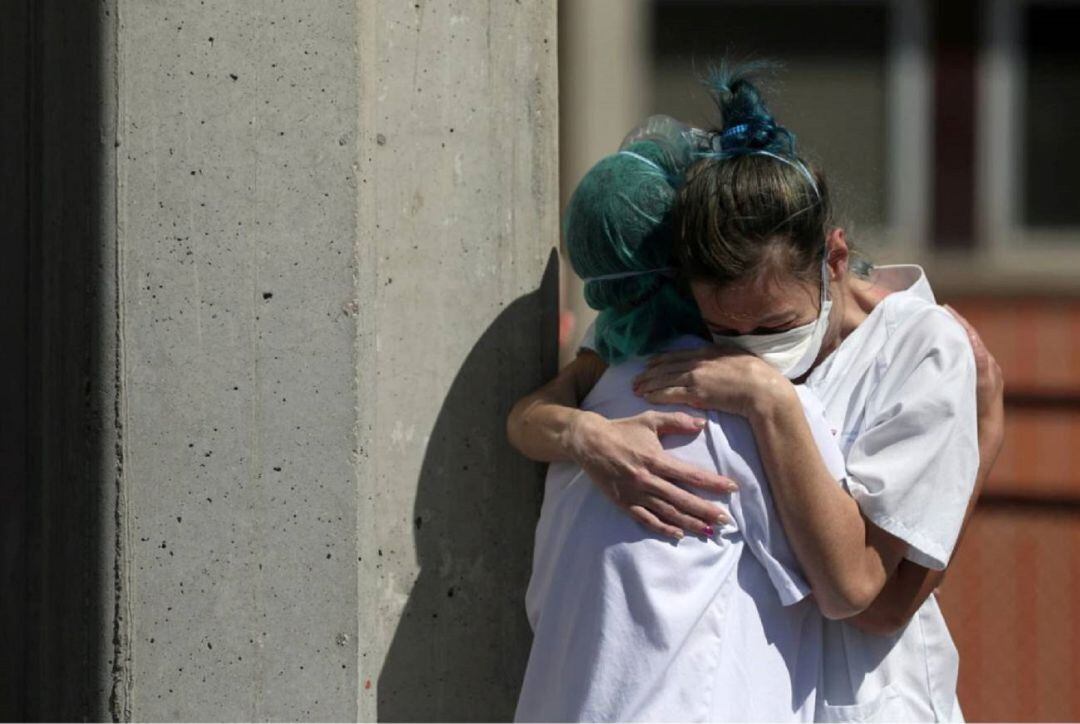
column 838, row 254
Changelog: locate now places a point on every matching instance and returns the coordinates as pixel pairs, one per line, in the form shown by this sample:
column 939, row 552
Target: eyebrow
column 777, row 319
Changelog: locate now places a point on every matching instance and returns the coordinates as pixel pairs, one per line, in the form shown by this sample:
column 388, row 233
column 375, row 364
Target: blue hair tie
column 735, row 130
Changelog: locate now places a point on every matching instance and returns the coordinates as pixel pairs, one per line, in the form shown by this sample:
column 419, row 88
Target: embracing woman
column 912, row 398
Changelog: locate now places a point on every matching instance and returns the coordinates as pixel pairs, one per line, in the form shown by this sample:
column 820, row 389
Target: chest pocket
column 887, row 706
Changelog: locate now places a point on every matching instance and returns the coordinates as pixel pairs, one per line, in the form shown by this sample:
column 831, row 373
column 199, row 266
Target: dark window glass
column 1050, row 109
column 830, row 91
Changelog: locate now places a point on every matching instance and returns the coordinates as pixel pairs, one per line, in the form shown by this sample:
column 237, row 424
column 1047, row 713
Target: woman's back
column 631, row 626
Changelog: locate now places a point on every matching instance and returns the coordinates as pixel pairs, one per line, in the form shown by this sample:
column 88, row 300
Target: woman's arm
column 540, row 425
column 846, row 559
column 623, row 457
column 912, row 584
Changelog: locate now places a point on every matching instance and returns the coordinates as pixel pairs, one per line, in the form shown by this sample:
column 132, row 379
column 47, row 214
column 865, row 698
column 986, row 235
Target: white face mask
column 794, row 350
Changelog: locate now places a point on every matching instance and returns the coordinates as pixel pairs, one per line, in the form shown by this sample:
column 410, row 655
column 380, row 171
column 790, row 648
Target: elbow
column 848, row 597
column 881, row 623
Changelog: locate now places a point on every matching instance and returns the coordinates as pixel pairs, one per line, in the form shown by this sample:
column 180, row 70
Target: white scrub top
column 631, row 626
column 901, row 391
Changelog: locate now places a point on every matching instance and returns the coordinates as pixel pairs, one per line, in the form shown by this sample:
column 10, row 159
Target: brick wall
column 1012, row 595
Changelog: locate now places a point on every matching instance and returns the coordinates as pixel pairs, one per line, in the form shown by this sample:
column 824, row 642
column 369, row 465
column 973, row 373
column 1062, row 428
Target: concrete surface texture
column 325, row 273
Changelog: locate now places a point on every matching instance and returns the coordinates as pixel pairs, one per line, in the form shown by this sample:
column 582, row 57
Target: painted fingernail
column 708, row 530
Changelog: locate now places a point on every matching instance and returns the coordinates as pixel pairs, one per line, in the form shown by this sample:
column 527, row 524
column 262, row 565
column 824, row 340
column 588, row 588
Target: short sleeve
column 912, row 468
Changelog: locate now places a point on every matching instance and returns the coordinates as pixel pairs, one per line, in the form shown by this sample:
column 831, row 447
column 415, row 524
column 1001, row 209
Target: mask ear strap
column 624, row 275
column 825, row 275
column 641, row 158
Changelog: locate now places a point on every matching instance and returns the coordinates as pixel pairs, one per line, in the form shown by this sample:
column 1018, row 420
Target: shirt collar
column 903, row 277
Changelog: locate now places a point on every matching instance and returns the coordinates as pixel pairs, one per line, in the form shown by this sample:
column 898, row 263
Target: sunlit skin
column 765, row 304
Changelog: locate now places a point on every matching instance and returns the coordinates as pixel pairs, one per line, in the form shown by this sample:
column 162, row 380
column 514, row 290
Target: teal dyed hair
column 618, row 222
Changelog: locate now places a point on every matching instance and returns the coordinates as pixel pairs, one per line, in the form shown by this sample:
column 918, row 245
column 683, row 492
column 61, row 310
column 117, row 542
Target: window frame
column 1003, row 239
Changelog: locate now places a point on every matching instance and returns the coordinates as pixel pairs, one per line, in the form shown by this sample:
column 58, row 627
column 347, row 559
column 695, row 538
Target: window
column 853, row 87
column 1029, row 103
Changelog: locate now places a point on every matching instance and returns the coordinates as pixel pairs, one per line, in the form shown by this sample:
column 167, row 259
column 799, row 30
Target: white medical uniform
column 631, row 626
column 901, row 391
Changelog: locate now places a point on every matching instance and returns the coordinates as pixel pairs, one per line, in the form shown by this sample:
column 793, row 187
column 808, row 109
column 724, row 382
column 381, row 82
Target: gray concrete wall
column 315, row 254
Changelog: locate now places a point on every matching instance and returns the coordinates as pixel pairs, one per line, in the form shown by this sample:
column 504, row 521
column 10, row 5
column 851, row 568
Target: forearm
column 540, row 427
column 541, row 424
column 839, row 551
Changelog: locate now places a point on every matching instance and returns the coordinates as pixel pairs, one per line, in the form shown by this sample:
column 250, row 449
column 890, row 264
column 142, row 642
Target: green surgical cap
column 618, row 222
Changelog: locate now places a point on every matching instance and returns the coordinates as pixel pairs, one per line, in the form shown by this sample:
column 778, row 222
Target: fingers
column 659, row 382
column 673, row 470
column 662, row 518
column 664, row 368
column 676, row 395
column 685, row 506
column 713, row 351
column 987, row 367
column 674, row 423
column 673, row 506
column 650, row 521
column 668, row 514
column 686, row 355
column 976, row 341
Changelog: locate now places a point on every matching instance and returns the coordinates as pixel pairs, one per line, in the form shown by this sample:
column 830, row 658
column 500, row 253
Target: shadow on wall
column 55, row 365
column 460, row 648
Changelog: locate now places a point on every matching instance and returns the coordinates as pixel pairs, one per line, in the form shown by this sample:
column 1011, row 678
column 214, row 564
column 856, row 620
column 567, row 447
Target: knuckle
column 691, row 477
column 650, row 461
column 665, row 510
column 643, row 481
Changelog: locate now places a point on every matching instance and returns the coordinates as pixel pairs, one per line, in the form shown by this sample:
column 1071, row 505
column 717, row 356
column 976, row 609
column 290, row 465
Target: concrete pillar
column 308, row 248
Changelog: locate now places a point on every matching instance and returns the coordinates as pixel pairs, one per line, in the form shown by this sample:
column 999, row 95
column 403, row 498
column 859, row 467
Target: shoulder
column 919, row 329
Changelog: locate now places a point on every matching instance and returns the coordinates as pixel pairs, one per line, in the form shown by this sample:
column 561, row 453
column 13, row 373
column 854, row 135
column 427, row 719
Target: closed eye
column 760, row 330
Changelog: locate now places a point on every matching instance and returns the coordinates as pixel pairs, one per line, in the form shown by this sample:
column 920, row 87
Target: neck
column 848, row 312
column 853, row 312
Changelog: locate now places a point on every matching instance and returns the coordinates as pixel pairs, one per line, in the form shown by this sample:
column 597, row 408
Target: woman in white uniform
column 769, row 271
column 628, row 626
